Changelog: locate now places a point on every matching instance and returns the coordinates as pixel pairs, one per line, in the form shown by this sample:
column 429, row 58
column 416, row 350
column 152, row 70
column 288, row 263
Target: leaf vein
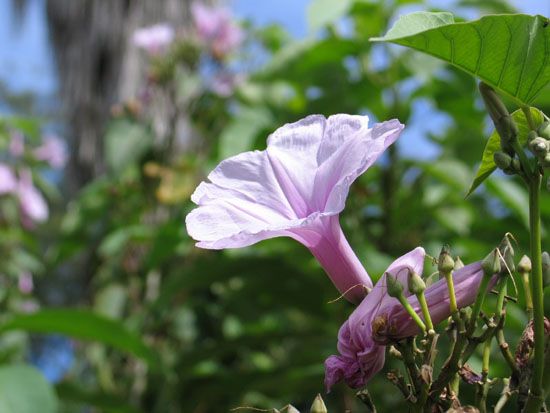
column 507, row 54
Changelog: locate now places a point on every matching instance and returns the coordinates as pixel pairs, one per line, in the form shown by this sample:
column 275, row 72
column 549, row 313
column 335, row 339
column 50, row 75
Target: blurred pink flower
column 31, row 200
column 224, row 84
column 216, row 28
column 380, row 318
column 154, row 39
column 25, row 282
column 8, row 181
column 52, row 151
column 17, row 144
column 29, row 306
column 297, row 187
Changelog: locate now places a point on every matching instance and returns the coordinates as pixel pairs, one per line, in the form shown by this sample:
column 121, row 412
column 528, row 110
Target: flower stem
column 425, row 311
column 408, row 307
column 527, row 289
column 536, row 394
column 452, row 297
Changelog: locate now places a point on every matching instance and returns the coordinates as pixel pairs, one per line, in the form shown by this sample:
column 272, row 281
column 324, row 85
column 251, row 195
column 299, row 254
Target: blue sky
column 26, row 63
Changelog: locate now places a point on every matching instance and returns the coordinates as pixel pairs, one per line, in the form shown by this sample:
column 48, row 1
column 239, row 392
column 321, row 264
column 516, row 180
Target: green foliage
column 24, row 390
column 487, row 166
column 84, row 325
column 508, row 52
column 197, row 330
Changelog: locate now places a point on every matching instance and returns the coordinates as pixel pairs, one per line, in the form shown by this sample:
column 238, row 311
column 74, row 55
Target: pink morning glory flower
column 380, row 318
column 8, row 180
column 216, row 28
column 297, row 188
column 52, row 151
column 154, row 39
column 31, row 200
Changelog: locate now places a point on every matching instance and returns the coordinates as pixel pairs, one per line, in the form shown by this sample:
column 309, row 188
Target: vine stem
column 536, row 394
column 527, row 112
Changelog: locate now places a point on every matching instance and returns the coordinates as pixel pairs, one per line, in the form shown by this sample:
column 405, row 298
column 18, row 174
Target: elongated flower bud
column 491, row 263
column 395, row 288
column 507, row 252
column 504, row 124
column 416, row 283
column 502, row 160
column 445, row 263
column 291, row 409
column 524, row 264
column 318, row 405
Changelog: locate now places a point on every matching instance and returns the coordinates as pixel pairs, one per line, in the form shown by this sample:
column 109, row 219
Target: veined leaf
column 84, row 325
column 510, row 52
column 488, row 166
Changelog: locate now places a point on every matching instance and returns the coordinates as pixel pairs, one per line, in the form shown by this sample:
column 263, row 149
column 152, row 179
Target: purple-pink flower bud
column 380, row 319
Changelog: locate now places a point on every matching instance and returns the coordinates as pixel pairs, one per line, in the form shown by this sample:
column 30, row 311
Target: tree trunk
column 98, row 66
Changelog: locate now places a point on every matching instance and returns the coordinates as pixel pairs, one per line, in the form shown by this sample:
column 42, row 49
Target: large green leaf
column 488, row 166
column 509, row 52
column 84, row 325
column 24, row 390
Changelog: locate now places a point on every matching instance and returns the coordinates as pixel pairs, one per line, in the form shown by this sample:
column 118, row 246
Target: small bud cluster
column 539, row 144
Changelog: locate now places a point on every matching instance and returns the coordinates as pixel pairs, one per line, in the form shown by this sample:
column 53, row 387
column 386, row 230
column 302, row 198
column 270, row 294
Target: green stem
column 408, row 307
column 536, row 394
column 501, row 339
column 425, row 311
column 481, row 293
column 527, row 289
column 527, row 112
column 452, row 297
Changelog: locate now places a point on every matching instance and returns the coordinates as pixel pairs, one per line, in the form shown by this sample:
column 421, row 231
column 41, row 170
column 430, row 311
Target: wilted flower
column 380, row 319
column 52, row 151
column 216, row 28
column 8, row 180
column 154, row 39
column 31, row 200
column 297, row 187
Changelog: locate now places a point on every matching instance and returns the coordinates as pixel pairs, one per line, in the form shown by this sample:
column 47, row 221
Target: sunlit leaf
column 509, row 52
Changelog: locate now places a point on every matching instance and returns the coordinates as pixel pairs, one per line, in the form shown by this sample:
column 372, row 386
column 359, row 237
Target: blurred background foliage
column 109, row 307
